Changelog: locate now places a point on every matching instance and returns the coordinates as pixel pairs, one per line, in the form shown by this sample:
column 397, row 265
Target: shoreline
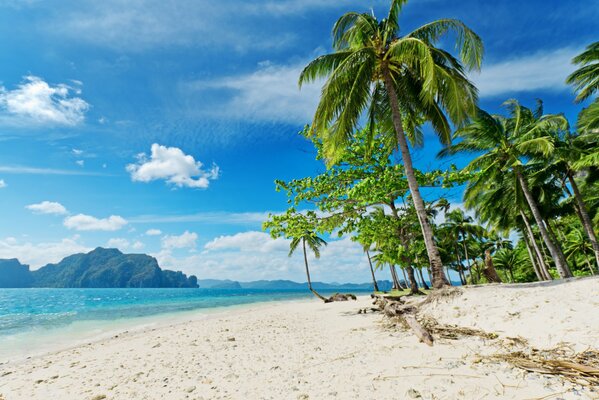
column 137, row 325
column 303, row 350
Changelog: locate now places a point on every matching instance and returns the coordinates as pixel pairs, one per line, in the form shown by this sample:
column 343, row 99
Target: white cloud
column 185, row 240
column 2, row 184
column 118, row 243
column 82, row 222
column 124, row 244
column 144, row 24
column 172, row 165
column 80, row 163
column 271, row 93
column 47, row 207
column 545, row 70
column 222, row 217
column 153, row 232
column 40, row 254
column 45, row 171
column 35, row 101
column 254, row 255
column 248, row 241
column 77, row 152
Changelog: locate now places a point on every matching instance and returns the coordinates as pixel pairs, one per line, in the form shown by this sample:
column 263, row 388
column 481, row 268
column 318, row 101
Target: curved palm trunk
column 585, row 219
column 375, row 285
column 467, row 260
column 438, row 279
column 556, row 254
column 308, row 274
column 542, row 266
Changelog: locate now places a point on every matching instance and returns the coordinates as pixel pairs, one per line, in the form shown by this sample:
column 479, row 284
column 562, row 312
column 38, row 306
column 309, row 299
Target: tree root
column 407, row 313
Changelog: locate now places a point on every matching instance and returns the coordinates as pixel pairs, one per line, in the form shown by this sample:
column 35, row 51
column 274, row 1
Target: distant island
column 100, row 268
column 289, row 285
column 110, row 268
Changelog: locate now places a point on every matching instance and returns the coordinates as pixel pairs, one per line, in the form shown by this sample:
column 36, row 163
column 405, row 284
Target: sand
column 311, row 350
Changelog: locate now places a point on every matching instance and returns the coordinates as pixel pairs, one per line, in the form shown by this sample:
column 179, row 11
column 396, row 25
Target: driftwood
column 340, row 297
column 395, row 308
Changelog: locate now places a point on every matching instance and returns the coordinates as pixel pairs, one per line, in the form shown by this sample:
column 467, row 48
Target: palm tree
column 508, row 260
column 463, row 227
column 371, row 65
column 314, row 242
column 577, row 245
column 586, row 78
column 505, row 142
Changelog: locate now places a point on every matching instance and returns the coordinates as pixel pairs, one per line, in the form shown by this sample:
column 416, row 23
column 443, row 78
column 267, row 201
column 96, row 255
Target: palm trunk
column 585, row 219
column 467, row 258
column 586, row 256
column 556, row 254
column 439, row 279
column 374, row 283
column 308, row 274
column 405, row 278
column 532, row 258
column 412, row 280
column 424, row 285
column 542, row 266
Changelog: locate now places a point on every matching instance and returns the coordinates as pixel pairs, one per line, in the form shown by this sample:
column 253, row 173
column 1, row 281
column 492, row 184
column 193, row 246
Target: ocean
column 33, row 321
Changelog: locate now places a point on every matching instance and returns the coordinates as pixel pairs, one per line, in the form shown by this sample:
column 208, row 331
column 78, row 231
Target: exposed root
column 580, row 368
column 340, row 297
column 437, row 296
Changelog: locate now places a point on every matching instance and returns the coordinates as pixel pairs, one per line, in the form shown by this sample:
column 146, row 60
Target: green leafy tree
column 398, row 82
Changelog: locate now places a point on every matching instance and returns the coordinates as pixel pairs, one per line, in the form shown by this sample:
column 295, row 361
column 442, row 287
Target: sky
column 160, row 126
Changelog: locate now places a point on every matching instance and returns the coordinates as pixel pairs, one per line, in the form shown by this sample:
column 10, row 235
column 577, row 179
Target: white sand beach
column 311, row 350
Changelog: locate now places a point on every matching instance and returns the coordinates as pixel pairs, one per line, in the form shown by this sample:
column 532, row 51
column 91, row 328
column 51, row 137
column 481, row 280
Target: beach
column 304, row 349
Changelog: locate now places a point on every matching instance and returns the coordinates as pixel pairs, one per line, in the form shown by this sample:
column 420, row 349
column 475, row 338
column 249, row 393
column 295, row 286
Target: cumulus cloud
column 248, row 241
column 254, row 255
column 153, row 232
column 124, row 244
column 185, row 240
column 270, row 93
column 35, row 101
column 2, row 184
column 172, row 165
column 40, row 254
column 545, row 70
column 82, row 222
column 47, row 207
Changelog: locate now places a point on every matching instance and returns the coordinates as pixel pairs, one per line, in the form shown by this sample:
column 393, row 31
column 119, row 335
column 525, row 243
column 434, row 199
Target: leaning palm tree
column 314, row 242
column 399, row 82
column 505, row 143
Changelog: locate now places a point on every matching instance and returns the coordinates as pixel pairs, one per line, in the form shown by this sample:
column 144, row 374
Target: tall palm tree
column 314, row 242
column 576, row 245
column 463, row 227
column 400, row 81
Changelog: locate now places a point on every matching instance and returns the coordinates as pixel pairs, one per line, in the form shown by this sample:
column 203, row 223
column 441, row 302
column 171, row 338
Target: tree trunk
column 489, row 271
column 586, row 256
column 405, row 278
column 412, row 280
column 556, row 254
column 533, row 261
column 424, row 284
column 585, row 219
column 374, row 283
column 542, row 266
column 467, row 258
column 439, row 279
column 308, row 274
column 396, row 285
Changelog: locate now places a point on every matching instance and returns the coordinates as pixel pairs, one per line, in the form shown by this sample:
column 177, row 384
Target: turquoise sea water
column 37, row 320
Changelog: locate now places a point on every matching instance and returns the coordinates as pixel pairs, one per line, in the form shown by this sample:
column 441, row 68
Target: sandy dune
column 310, row 350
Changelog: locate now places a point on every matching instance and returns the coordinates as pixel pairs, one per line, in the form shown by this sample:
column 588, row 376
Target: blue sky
column 159, row 127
